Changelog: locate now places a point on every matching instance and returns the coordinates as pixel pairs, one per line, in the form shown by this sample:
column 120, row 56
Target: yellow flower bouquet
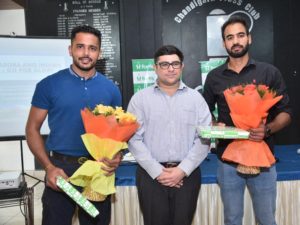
column 107, row 130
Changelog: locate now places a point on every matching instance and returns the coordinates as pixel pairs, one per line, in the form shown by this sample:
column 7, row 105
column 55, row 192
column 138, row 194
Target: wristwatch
column 267, row 131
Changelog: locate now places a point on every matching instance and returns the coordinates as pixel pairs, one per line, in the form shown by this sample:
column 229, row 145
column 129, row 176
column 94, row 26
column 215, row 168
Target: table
column 126, row 211
column 22, row 197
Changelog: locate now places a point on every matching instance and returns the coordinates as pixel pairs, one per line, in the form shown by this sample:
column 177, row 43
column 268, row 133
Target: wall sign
column 195, row 27
column 62, row 15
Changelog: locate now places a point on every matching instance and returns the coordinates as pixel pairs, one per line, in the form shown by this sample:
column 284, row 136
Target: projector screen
column 23, row 62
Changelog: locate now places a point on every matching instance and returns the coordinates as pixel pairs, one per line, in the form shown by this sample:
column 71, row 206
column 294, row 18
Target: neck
column 83, row 73
column 169, row 89
column 237, row 64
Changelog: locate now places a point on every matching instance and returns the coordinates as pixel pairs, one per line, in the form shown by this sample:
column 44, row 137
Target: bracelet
column 48, row 167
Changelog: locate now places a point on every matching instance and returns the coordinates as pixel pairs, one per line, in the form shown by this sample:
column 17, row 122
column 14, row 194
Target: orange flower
column 108, row 126
column 107, row 130
column 249, row 106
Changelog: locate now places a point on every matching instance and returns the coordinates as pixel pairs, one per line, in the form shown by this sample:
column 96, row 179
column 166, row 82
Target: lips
column 85, row 60
column 237, row 48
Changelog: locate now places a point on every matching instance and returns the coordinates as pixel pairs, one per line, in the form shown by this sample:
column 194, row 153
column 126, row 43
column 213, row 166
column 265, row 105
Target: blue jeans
column 262, row 189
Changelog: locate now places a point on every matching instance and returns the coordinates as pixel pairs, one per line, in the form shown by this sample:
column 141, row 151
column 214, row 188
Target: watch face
column 267, row 132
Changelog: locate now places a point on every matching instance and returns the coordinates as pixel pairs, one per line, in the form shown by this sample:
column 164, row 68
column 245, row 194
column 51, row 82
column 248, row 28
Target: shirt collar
column 251, row 62
column 181, row 85
column 76, row 75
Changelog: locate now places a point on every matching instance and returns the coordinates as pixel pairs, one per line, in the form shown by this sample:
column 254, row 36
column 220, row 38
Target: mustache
column 85, row 58
column 237, row 45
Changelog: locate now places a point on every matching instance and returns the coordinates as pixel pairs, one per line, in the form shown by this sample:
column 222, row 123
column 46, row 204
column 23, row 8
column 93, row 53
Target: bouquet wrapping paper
column 107, row 130
column 249, row 106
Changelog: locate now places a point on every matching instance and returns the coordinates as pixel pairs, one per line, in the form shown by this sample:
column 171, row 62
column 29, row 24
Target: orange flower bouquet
column 107, row 130
column 249, row 106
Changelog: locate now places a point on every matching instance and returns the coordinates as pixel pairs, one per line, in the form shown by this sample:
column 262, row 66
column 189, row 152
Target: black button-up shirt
column 255, row 72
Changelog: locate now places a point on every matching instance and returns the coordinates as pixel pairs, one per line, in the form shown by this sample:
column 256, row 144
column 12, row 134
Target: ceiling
column 12, row 4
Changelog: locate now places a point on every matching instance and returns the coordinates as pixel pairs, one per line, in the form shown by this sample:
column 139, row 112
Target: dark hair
column 168, row 50
column 86, row 29
column 233, row 20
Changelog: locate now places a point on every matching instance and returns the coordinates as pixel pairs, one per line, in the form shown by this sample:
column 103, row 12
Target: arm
column 136, row 144
column 112, row 164
column 37, row 147
column 198, row 152
column 280, row 121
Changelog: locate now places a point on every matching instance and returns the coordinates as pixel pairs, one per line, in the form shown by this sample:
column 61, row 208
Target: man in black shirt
column 241, row 69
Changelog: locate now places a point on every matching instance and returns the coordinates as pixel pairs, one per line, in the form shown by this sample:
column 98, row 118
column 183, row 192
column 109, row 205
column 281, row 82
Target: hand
column 257, row 134
column 51, row 174
column 111, row 164
column 220, row 124
column 171, row 177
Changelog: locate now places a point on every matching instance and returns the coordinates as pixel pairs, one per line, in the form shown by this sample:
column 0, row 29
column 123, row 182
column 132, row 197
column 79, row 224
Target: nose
column 235, row 39
column 171, row 68
column 86, row 51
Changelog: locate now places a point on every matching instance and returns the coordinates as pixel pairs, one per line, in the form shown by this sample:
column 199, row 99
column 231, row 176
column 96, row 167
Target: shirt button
column 85, row 88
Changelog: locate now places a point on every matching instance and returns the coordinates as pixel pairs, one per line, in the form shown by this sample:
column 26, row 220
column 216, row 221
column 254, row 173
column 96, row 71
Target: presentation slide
column 23, row 63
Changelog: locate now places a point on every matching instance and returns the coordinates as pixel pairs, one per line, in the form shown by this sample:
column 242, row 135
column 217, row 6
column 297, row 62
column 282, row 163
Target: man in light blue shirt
column 166, row 146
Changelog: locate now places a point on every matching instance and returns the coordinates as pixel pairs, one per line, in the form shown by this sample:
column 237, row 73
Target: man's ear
column 70, row 50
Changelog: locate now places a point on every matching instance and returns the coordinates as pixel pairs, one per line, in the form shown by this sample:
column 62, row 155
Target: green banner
column 207, row 66
column 143, row 73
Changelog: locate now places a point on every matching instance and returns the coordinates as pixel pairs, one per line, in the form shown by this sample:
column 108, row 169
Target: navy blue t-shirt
column 64, row 94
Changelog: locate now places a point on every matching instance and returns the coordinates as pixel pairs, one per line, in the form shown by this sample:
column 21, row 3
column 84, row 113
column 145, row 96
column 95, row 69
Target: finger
column 108, row 169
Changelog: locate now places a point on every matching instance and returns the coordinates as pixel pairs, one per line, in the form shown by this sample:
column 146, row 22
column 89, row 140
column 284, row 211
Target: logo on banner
column 215, row 20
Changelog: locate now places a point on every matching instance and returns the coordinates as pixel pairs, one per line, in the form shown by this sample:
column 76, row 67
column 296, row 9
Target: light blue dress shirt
column 167, row 131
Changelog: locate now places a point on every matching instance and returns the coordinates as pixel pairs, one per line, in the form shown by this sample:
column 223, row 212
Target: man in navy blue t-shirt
column 61, row 96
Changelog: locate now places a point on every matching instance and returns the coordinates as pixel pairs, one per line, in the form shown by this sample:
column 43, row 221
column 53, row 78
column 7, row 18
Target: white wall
column 13, row 22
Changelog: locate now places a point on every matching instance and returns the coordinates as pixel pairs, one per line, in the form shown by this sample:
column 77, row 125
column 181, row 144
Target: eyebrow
column 239, row 33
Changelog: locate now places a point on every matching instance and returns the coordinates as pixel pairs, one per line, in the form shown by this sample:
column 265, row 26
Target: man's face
column 236, row 41
column 166, row 73
column 85, row 51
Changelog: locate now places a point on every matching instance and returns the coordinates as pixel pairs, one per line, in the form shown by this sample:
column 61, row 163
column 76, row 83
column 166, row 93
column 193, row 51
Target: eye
column 93, row 48
column 164, row 64
column 241, row 35
column 176, row 64
column 228, row 38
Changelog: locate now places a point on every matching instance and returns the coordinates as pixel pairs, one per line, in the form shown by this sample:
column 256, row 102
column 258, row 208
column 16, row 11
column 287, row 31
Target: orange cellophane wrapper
column 107, row 126
column 248, row 111
column 104, row 137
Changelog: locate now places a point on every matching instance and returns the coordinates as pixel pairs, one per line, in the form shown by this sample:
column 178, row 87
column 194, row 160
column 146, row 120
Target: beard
column 238, row 54
column 84, row 68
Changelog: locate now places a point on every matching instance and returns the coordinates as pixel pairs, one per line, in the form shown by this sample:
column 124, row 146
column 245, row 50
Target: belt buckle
column 171, row 164
column 82, row 160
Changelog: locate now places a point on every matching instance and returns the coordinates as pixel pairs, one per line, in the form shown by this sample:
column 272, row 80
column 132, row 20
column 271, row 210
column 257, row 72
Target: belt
column 69, row 158
column 169, row 164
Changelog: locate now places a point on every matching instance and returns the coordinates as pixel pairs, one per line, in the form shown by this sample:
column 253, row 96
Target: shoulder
column 142, row 96
column 193, row 95
column 266, row 66
column 216, row 72
column 104, row 80
column 61, row 74
column 148, row 91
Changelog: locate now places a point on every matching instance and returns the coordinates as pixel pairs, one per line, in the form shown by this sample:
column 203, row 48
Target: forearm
column 143, row 156
column 281, row 120
column 196, row 155
column 37, row 147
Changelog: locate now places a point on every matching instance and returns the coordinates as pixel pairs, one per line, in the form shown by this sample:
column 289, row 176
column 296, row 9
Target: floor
column 13, row 215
